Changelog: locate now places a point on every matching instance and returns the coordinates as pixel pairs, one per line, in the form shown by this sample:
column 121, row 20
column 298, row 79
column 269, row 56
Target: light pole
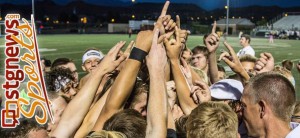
column 33, row 8
column 227, row 16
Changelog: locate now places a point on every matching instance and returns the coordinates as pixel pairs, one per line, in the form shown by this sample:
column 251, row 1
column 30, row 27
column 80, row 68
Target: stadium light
column 132, row 0
column 84, row 20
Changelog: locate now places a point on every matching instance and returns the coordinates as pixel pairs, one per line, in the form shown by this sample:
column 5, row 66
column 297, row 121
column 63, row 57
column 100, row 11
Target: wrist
column 138, row 54
column 212, row 53
column 174, row 61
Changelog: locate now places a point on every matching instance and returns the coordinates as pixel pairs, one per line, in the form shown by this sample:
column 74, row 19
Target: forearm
column 91, row 118
column 70, row 122
column 244, row 76
column 171, row 121
column 157, row 106
column 183, row 91
column 168, row 72
column 195, row 76
column 120, row 92
column 213, row 68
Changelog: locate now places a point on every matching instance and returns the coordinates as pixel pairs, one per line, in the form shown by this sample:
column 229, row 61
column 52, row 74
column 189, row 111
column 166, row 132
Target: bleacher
column 288, row 22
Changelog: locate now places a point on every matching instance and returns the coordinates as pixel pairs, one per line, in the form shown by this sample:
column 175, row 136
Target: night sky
column 205, row 4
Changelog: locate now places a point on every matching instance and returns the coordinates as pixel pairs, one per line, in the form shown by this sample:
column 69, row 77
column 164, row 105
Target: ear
column 262, row 108
column 83, row 68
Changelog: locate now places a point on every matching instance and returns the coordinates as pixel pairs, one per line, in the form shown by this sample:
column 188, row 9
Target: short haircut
column 180, row 125
column 288, row 64
column 22, row 130
column 247, row 37
column 297, row 108
column 129, row 122
column 212, row 120
column 200, row 49
column 276, row 90
column 60, row 61
column 47, row 62
column 139, row 88
column 248, row 58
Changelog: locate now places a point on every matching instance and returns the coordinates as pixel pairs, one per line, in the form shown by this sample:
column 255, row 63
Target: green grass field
column 73, row 46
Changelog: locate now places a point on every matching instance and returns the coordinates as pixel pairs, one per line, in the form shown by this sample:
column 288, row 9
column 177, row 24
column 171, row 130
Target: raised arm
column 79, row 106
column 212, row 44
column 173, row 50
column 91, row 117
column 265, row 63
column 124, row 83
column 234, row 63
column 157, row 105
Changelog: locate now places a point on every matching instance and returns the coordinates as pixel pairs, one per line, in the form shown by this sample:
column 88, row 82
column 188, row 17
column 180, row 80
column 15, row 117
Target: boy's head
column 212, row 120
column 199, row 58
column 90, row 59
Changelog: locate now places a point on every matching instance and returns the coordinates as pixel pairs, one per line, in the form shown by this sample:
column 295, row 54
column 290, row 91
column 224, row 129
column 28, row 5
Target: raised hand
column 173, row 46
column 212, row 41
column 110, row 61
column 183, row 34
column 163, row 19
column 224, row 54
column 265, row 63
column 233, row 62
column 128, row 49
column 156, row 59
column 201, row 92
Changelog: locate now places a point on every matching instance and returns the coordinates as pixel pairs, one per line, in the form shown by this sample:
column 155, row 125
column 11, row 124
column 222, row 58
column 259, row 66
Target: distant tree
column 262, row 22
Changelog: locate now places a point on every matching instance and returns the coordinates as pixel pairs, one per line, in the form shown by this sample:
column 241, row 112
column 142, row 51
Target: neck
column 246, row 45
column 277, row 129
column 206, row 69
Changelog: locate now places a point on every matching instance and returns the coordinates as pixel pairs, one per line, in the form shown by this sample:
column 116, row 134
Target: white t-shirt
column 246, row 50
column 295, row 133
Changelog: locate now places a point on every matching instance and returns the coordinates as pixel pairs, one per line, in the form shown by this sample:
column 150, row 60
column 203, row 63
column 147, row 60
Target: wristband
column 137, row 54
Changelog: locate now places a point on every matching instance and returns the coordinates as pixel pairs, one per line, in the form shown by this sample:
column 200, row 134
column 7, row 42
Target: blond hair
column 297, row 108
column 212, row 120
